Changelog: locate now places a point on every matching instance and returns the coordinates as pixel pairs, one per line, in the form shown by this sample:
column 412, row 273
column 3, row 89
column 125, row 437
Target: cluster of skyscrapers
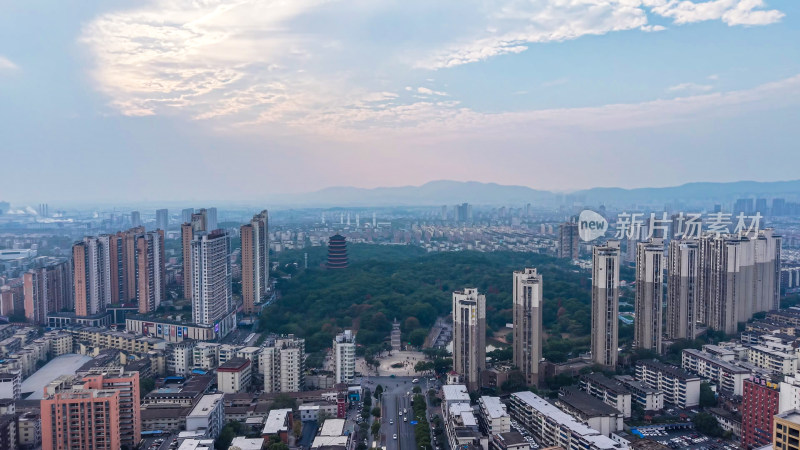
column 717, row 280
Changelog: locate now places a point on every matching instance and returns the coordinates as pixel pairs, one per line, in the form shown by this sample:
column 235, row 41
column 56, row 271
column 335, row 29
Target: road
column 395, row 398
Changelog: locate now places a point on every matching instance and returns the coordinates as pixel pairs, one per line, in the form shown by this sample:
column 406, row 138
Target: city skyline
column 312, row 94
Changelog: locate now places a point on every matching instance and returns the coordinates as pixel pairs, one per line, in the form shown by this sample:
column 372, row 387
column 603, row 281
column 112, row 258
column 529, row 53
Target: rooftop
column 243, row 443
column 206, row 405
column 276, row 421
column 64, row 364
column 493, row 407
column 790, row 416
column 585, row 403
column 730, row 367
column 512, row 438
column 674, row 371
column 234, row 365
column 455, row 392
column 332, row 427
column 607, row 383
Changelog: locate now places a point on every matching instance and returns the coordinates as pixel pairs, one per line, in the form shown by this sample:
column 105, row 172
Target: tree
column 279, row 446
column 376, row 412
column 416, row 390
column 297, row 427
column 376, row 429
column 417, row 337
column 283, row 401
column 707, row 424
column 707, row 397
column 378, row 391
column 146, row 385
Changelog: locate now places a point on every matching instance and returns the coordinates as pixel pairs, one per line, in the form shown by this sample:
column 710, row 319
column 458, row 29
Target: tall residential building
column 786, row 428
column 136, row 219
column 47, row 289
column 186, row 215
column 527, row 312
column 649, row 294
column 255, row 260
column 344, row 357
column 683, row 292
column 211, row 219
column 469, row 335
column 211, row 275
column 81, row 419
column 568, row 240
column 605, row 303
column 739, row 276
column 196, row 223
column 127, row 384
column 151, row 277
column 91, row 275
column 162, row 219
column 282, row 363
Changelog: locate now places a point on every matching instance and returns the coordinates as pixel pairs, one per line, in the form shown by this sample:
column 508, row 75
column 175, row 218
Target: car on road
column 400, row 413
column 405, row 419
column 405, row 411
column 391, row 422
column 394, row 436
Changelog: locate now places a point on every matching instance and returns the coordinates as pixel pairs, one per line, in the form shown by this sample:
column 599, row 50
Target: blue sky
column 219, row 100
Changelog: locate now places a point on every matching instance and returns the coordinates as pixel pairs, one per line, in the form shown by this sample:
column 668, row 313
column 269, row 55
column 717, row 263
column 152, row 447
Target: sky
column 109, row 100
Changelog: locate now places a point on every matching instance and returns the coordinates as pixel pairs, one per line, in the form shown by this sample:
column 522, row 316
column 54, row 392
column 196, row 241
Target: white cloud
column 557, row 82
column 690, row 87
column 7, row 64
column 426, row 91
column 731, row 12
column 652, row 28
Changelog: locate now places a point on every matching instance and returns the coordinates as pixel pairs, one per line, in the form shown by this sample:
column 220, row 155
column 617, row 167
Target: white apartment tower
column 527, row 312
column 605, row 303
column 282, row 362
column 649, row 294
column 469, row 335
column 344, row 354
column 682, row 289
column 211, row 277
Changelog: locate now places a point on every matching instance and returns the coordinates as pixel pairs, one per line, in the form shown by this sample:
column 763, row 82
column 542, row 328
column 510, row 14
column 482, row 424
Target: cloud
column 557, row 82
column 7, row 64
column 731, row 12
column 652, row 28
column 426, row 91
column 690, row 87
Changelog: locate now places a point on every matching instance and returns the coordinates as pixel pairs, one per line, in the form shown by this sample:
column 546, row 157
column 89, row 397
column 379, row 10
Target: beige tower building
column 469, row 335
column 255, row 261
column 649, row 294
column 196, row 224
column 683, row 290
column 605, row 303
column 527, row 297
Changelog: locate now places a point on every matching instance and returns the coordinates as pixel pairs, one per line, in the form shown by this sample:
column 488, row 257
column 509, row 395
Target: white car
column 415, row 380
column 405, row 419
column 391, row 422
column 394, row 436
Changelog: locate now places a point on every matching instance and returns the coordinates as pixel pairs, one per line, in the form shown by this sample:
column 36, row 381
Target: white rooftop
column 195, row 444
column 60, row 365
column 494, row 408
column 205, row 405
column 550, row 410
column 319, row 441
column 332, row 427
column 276, row 421
column 455, row 392
column 243, row 443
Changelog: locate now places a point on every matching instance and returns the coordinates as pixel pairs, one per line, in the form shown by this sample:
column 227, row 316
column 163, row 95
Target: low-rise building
column 552, row 427
column 678, row 386
column 729, row 377
column 278, row 423
column 648, row 398
column 208, row 416
column 590, row 410
column 234, row 376
column 493, row 418
column 612, row 392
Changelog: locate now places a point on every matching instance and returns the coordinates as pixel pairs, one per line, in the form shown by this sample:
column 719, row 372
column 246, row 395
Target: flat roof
column 276, row 421
column 735, row 368
column 493, row 407
column 609, row 384
column 585, row 403
column 512, row 438
column 205, row 405
column 455, row 392
column 332, row 427
column 551, row 411
column 321, row 441
column 244, row 443
column 790, row 416
column 61, row 365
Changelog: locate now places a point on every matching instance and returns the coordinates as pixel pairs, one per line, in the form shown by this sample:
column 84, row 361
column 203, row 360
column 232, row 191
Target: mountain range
column 448, row 192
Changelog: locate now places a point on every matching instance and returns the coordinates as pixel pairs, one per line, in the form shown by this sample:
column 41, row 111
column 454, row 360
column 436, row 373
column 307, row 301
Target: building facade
column 344, row 354
column 568, row 240
column 682, row 289
column 527, row 313
column 760, row 402
column 605, row 304
column 649, row 294
column 469, row 335
column 211, row 297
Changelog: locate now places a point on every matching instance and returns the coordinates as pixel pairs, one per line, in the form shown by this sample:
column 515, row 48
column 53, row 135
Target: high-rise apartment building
column 739, row 276
column 136, row 219
column 151, row 277
column 47, row 289
column 186, row 215
column 683, row 292
column 605, row 303
column 91, row 275
column 162, row 219
column 211, row 217
column 282, row 362
column 255, row 260
column 81, row 420
column 527, row 316
column 649, row 294
column 568, row 240
column 197, row 222
column 469, row 335
column 344, row 354
column 127, row 384
column 211, row 275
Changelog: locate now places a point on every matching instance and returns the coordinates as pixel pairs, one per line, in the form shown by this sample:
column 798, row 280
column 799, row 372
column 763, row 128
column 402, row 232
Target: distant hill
column 447, row 192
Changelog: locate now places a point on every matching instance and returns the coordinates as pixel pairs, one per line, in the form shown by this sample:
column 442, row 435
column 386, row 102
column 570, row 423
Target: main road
column 396, row 406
